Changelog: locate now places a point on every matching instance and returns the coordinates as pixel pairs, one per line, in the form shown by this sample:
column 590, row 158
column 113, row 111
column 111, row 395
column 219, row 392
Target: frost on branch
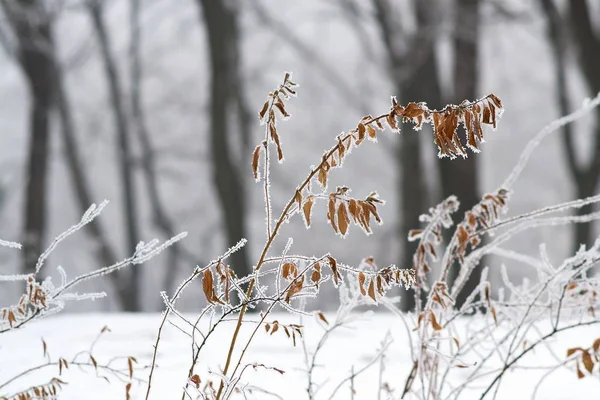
column 45, row 298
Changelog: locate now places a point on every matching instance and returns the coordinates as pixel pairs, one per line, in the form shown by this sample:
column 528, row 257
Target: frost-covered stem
column 276, row 301
column 534, row 345
column 313, row 361
column 282, row 218
column 54, row 364
column 542, row 211
column 360, row 371
column 471, row 260
column 267, row 184
column 196, row 273
column 552, row 127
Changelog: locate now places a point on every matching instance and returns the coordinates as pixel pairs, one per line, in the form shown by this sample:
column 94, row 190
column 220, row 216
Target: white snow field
column 355, row 346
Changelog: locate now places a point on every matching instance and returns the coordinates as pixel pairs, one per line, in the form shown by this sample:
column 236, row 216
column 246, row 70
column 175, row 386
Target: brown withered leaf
column 298, row 198
column 361, row 133
column 289, row 270
column 371, row 290
column 415, row 234
column 207, row 285
column 456, row 342
column 580, row 374
column 587, row 361
column 391, row 121
column 307, row 209
column 44, row 347
column 322, row 177
column 315, row 277
column 94, row 362
column 281, row 107
column 494, row 315
column 343, row 219
column 11, row 319
column 195, row 379
column 255, row 160
column 130, row 361
column 331, row 214
column 322, row 318
column 275, row 137
column 267, row 327
column 361, row 283
column 372, row 132
column 596, row 346
column 434, row 323
column 264, row 109
column 573, row 350
column 275, row 327
column 128, row 391
column 334, row 269
column 295, row 288
column 341, row 149
column 353, row 209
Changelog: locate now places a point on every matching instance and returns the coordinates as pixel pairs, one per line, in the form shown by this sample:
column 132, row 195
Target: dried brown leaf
column 361, row 283
column 307, row 208
column 322, row 318
column 371, row 290
column 343, row 219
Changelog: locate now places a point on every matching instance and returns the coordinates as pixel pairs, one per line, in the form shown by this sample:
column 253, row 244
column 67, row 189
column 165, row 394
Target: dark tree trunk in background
column 588, row 45
column 223, row 42
column 160, row 217
column 132, row 302
column 420, row 83
column 31, row 26
column 105, row 254
column 460, row 176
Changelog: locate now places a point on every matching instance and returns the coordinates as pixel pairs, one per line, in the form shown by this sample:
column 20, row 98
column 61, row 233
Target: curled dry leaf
column 315, row 277
column 322, row 317
column 343, row 219
column 587, row 361
column 195, row 379
column 361, row 283
column 371, row 290
column 255, row 161
column 307, row 209
column 295, row 288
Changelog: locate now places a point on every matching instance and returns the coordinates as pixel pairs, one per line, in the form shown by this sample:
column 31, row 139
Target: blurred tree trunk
column 105, row 254
column 588, row 44
column 31, row 24
column 459, row 176
column 223, row 41
column 132, row 302
column 160, row 216
column 414, row 74
column 585, row 177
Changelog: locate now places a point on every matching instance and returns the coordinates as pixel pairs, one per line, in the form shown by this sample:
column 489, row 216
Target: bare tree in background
column 160, row 216
column 587, row 43
column 117, row 103
column 83, row 193
column 221, row 24
column 460, row 177
column 30, row 22
column 413, row 71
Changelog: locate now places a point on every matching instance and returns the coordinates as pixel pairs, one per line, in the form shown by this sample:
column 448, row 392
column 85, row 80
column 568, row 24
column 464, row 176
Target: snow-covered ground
column 356, row 346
